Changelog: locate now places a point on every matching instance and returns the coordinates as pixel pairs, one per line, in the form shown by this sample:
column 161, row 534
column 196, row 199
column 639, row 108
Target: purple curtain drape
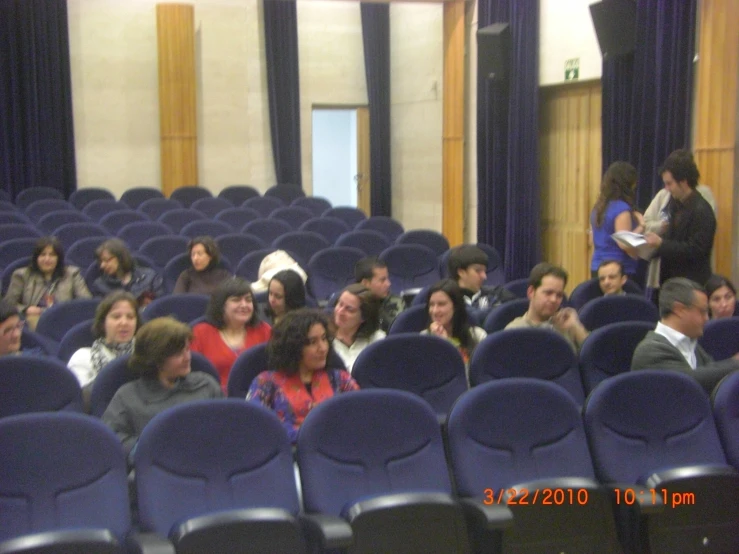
column 376, row 41
column 647, row 96
column 283, row 88
column 36, row 126
column 508, row 213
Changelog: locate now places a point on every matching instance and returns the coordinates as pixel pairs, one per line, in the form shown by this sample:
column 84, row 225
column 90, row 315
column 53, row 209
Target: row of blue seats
column 524, row 471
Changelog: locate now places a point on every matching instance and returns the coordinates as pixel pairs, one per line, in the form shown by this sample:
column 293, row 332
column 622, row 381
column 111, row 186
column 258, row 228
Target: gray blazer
column 27, row 287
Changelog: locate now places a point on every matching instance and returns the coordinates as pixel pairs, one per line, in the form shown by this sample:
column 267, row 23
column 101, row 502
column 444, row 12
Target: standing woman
column 721, row 297
column 356, row 323
column 44, row 281
column 286, row 293
column 447, row 318
column 120, row 272
column 614, row 211
column 204, row 275
column 232, row 325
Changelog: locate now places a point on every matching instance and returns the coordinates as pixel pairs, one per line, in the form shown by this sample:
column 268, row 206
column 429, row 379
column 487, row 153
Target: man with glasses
column 11, row 327
column 683, row 308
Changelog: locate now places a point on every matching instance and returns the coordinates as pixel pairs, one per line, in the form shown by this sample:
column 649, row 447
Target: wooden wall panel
column 716, row 113
column 570, row 172
column 177, row 85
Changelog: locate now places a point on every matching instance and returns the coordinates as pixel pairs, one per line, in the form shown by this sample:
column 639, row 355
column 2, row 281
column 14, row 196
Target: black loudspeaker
column 615, row 26
column 493, row 46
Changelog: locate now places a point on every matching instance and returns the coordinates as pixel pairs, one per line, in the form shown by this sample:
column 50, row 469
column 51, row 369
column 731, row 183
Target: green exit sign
column 572, row 69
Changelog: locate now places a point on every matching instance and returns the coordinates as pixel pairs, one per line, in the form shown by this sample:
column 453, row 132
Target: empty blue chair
column 387, row 226
column 78, row 336
column 315, row 204
column 69, row 233
column 519, row 287
column 26, row 197
column 410, row 266
column 237, row 217
column 162, row 249
column 292, row 215
column 265, row 205
column 721, row 337
column 381, row 473
column 136, row 196
column 410, row 320
column 302, row 245
column 234, row 246
column 183, row 307
column 267, row 229
column 4, row 196
column 17, row 231
column 82, row 251
column 55, row 321
column 14, row 218
column 52, row 221
column 211, row 206
column 40, row 208
column 155, row 207
column 35, row 383
column 115, row 221
column 248, row 267
column 188, row 195
column 137, row 233
column 590, row 289
column 725, row 399
column 527, row 352
column 331, row 269
column 178, row 218
column 425, row 237
column 206, row 227
column 287, row 193
column 612, row 309
column 97, row 209
column 350, row 216
column 425, row 365
column 238, row 194
column 81, row 197
column 330, row 228
column 502, row 315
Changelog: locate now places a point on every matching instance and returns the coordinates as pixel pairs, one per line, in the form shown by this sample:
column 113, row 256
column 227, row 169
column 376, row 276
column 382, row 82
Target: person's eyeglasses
column 17, row 327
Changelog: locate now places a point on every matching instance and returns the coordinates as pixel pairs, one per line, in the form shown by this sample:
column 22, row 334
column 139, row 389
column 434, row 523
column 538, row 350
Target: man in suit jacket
column 683, row 307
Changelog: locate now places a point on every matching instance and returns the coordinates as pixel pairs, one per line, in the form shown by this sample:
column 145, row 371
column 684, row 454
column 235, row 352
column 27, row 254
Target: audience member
column 11, row 328
column 611, row 278
column 721, row 297
column 120, row 272
column 447, row 318
column 299, row 378
column 286, row 292
column 683, row 307
column 356, row 322
column 44, row 281
column 685, row 247
column 232, row 325
column 161, row 357
column 371, row 272
column 614, row 211
column 468, row 265
column 545, row 293
column 204, row 275
column 114, row 326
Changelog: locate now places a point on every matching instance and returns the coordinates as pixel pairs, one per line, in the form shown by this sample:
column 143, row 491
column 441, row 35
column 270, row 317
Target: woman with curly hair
column 614, row 211
column 298, row 378
column 204, row 275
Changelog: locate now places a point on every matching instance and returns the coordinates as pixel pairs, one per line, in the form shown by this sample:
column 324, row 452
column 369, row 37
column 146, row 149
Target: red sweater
column 207, row 341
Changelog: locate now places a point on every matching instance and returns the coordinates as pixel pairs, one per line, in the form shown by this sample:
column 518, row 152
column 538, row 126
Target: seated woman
column 447, row 318
column 232, row 325
column 120, row 272
column 161, row 357
column 44, row 281
column 299, row 379
column 286, row 293
column 721, row 297
column 204, row 275
column 356, row 322
column 115, row 323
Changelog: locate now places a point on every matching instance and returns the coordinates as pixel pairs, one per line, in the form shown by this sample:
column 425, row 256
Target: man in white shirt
column 683, row 307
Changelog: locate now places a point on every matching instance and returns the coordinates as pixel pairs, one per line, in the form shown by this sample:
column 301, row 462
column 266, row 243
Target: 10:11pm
column 668, row 498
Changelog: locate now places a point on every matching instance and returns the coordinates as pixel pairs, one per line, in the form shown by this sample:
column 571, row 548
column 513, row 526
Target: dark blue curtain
column 376, row 40
column 508, row 213
column 36, row 127
column 283, row 88
column 647, row 96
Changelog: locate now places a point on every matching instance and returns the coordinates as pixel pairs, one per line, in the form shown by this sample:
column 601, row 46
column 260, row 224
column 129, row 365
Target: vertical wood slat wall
column 569, row 173
column 177, row 103
column 453, row 123
column 716, row 114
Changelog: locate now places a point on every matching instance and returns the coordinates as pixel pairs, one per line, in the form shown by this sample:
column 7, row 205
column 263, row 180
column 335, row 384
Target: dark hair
column 715, row 282
column 106, row 304
column 365, row 268
column 681, row 165
column 677, row 289
column 294, row 287
column 7, row 310
column 463, row 256
column 233, row 286
column 211, row 248
column 544, row 269
column 118, row 249
column 460, row 322
column 369, row 309
column 619, row 183
column 156, row 341
column 39, row 247
column 285, row 347
column 609, row 262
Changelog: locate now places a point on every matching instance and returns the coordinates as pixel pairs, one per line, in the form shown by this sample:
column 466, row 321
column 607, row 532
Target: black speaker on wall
column 493, row 45
column 615, row 26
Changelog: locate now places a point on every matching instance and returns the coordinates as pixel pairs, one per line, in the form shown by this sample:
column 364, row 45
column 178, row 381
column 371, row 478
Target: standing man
column 685, row 249
column 372, row 273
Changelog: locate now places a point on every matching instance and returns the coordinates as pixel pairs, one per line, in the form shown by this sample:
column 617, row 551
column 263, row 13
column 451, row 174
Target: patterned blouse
column 291, row 400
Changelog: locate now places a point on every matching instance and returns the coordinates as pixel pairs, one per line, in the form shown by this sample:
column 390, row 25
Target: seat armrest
column 149, row 543
column 690, row 472
column 54, row 542
column 396, row 500
column 491, row 517
column 330, row 532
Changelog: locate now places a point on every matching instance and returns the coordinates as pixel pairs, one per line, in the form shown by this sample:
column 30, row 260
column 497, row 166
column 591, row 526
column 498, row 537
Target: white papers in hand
column 636, row 241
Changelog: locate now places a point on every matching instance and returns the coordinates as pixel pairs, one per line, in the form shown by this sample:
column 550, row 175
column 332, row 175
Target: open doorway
column 341, row 156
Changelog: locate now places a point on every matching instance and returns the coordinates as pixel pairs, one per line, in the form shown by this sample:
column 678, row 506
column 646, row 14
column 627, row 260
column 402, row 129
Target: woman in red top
column 232, row 325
